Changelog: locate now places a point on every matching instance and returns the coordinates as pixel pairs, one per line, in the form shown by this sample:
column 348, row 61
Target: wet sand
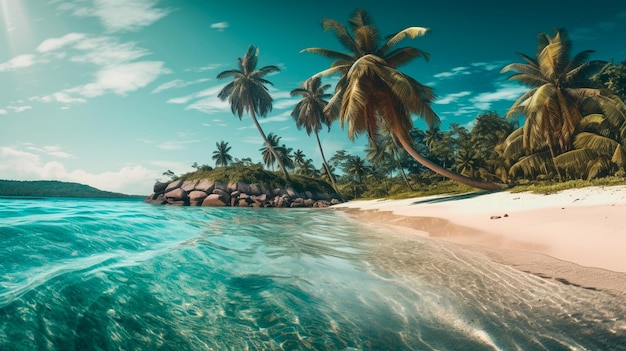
column 575, row 236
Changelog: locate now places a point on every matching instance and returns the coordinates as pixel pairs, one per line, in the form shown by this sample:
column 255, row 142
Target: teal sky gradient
column 112, row 93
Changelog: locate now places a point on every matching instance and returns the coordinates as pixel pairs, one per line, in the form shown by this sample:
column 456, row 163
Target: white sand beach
column 577, row 236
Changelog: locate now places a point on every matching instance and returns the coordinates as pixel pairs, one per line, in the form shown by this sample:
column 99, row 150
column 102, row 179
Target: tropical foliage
column 372, row 92
column 221, row 156
column 248, row 92
column 570, row 124
column 573, row 127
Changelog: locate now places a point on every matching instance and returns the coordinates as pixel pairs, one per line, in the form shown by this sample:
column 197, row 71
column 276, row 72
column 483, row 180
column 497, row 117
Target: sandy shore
column 576, row 236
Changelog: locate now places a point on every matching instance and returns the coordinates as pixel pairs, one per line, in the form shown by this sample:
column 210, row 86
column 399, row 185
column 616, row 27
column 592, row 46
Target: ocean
column 82, row 274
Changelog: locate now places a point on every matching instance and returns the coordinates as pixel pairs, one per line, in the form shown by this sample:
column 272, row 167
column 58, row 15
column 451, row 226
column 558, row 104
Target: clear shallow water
column 123, row 275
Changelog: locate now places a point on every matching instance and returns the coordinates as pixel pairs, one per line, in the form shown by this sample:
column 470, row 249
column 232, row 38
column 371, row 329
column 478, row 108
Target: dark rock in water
column 208, row 193
column 159, row 187
column 196, row 197
column 213, row 200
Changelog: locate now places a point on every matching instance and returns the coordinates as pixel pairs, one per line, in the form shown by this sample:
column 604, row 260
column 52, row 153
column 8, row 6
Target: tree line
column 573, row 116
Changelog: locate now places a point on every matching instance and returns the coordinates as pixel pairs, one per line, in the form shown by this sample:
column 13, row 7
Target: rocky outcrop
column 208, row 193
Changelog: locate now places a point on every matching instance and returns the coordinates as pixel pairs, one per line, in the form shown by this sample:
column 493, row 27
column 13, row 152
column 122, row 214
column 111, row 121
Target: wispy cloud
column 206, row 101
column 52, row 44
column 285, row 116
column 117, row 15
column 3, row 112
column 450, row 98
column 473, row 68
column 117, row 70
column 18, row 109
column 220, row 26
column 50, row 150
column 17, row 62
column 453, row 72
column 210, row 67
column 506, row 92
column 176, row 84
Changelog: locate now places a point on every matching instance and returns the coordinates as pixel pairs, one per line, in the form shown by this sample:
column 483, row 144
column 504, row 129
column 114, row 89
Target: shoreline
column 576, row 236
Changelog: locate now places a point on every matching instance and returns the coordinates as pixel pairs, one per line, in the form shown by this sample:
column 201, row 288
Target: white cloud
column 177, row 83
column 285, row 116
column 219, row 26
column 210, row 105
column 210, row 67
column 107, row 51
column 453, row 72
column 450, row 98
column 118, row 15
column 281, row 103
column 120, row 80
column 18, row 109
column 3, row 112
column 507, row 92
column 21, row 61
column 57, row 43
column 206, row 101
column 18, row 164
column 50, row 150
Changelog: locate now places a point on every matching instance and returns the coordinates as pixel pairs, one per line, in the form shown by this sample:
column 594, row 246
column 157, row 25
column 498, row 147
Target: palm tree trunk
column 330, row 175
column 476, row 183
column 397, row 158
column 267, row 142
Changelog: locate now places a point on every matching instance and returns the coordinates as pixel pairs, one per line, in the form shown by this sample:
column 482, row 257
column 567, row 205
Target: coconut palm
column 553, row 107
column 221, row 155
column 269, row 151
column 298, row 157
column 309, row 113
column 248, row 92
column 372, row 91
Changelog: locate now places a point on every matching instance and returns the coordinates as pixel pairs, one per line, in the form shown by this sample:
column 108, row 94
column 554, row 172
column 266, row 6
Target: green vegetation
column 255, row 174
column 568, row 130
column 53, row 188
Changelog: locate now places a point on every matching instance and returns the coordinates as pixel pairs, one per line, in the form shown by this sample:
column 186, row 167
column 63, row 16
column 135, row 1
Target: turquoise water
column 124, row 275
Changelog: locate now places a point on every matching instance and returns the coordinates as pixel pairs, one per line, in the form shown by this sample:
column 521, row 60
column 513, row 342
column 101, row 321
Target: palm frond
column 341, row 33
column 401, row 56
column 598, row 143
column 393, row 40
column 331, row 54
column 532, row 165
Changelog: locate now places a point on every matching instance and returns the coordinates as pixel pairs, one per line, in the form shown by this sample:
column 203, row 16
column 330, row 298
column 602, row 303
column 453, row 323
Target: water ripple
column 111, row 275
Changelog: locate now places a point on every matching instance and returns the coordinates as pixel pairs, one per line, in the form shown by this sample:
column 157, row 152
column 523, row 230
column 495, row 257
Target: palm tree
column 298, row 158
column 221, row 155
column 358, row 169
column 248, row 92
column 553, row 106
column 309, row 113
column 269, row 151
column 371, row 91
column 307, row 168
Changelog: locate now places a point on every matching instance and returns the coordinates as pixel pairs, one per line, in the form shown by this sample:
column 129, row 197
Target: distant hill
column 53, row 188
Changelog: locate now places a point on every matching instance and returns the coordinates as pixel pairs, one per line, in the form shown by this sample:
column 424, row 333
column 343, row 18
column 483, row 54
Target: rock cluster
column 205, row 192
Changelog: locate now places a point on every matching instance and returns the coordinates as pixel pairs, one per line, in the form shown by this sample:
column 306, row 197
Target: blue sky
column 112, row 93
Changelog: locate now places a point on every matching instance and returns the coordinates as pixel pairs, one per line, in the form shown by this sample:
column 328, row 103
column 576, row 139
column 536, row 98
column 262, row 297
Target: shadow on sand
column 453, row 197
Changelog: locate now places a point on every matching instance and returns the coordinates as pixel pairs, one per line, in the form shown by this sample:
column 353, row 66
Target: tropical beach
column 576, row 235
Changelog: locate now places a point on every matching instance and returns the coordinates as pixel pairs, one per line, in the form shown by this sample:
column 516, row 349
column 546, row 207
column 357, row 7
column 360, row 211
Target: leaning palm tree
column 372, row 91
column 309, row 113
column 221, row 155
column 248, row 92
column 553, row 106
